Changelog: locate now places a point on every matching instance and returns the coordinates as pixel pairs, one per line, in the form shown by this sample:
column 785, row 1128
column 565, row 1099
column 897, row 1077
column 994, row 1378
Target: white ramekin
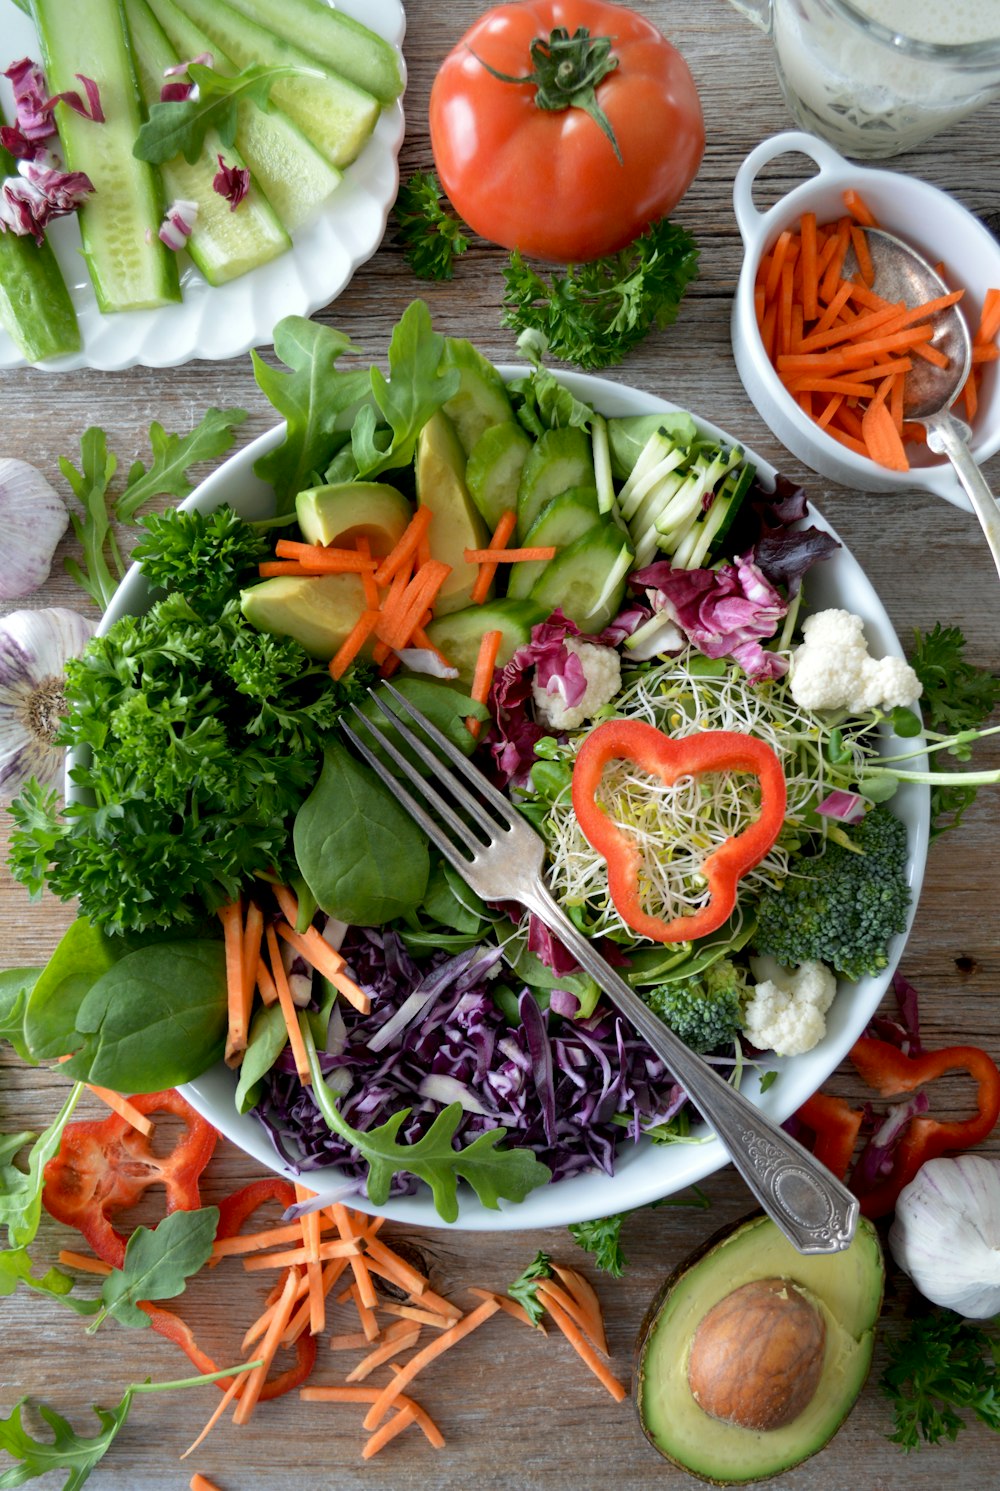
column 936, row 225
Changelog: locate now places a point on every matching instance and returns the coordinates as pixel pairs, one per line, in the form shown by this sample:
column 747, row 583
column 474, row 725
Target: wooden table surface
column 518, row 1411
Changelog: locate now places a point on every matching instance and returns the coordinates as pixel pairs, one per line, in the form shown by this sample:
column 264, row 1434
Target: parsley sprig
column 957, row 697
column 430, row 236
column 944, row 1368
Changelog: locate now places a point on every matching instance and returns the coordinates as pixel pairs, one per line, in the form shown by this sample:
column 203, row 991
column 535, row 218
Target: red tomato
column 549, row 183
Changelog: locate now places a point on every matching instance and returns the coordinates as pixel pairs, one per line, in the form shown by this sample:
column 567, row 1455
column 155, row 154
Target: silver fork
column 502, row 857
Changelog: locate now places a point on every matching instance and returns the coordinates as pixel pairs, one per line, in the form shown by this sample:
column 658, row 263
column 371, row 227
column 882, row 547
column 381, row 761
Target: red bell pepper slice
column 670, row 759
column 173, row 1328
column 237, row 1207
column 890, row 1072
column 103, row 1167
column 836, row 1126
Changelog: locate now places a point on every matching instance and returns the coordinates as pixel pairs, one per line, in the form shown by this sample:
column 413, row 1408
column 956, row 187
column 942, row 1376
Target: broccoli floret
column 844, row 906
column 704, row 1010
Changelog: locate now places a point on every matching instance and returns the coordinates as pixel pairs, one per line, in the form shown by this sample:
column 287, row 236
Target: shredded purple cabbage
column 556, row 1085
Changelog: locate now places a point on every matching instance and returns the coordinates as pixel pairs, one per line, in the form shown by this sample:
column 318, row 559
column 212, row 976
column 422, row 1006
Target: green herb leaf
column 603, row 1238
column 314, row 398
column 525, row 1287
column 180, row 127
column 157, row 1018
column 158, row 1263
column 16, row 1268
column 768, row 1080
column 595, row 313
column 67, row 1451
column 431, row 238
column 957, row 696
column 416, row 387
column 173, row 457
column 16, row 985
column 359, row 851
column 944, row 1367
column 102, row 567
column 492, row 1172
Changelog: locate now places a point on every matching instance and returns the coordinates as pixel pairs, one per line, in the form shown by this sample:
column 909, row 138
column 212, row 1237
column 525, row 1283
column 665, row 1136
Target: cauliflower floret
column 602, row 670
column 832, row 668
column 786, row 1013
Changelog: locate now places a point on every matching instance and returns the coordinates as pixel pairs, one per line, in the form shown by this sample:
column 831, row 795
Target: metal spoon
column 930, row 391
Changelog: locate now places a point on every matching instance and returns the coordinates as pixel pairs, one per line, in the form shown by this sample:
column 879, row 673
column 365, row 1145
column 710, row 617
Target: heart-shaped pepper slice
column 670, row 759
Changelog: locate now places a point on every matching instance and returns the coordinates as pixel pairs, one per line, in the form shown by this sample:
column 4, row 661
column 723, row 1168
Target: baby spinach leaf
column 15, row 986
column 155, row 1019
column 445, row 707
column 360, row 853
column 313, row 396
column 416, row 387
column 179, row 127
column 492, row 1172
column 268, row 1038
column 82, row 955
column 158, row 1263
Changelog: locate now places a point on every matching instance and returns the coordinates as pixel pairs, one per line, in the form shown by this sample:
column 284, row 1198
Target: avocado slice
column 456, row 526
column 843, row 1291
column 349, row 510
column 318, row 611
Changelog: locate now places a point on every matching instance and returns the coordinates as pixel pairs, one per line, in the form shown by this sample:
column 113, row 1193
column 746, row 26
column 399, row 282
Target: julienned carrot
column 216, row 1415
column 257, row 1242
column 337, row 1247
column 504, row 530
column 199, row 1482
column 510, row 1307
column 403, row 553
column 288, row 1009
column 349, row 1232
column 253, row 936
column 384, row 1261
column 396, row 1342
column 509, row 556
column 583, row 1291
column 342, row 561
column 268, row 1349
column 859, row 209
column 583, row 1349
column 83, row 1262
column 410, row 1312
column 396, row 628
column 238, row 1003
column 353, row 643
column 401, row 1419
column 882, row 438
column 317, row 952
column 122, row 1107
column 482, row 678
column 989, row 320
column 368, row 1395
column 442, row 1343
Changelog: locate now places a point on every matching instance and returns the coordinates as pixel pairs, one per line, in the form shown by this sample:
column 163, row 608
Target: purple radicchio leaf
column 39, row 193
column 844, row 807
column 231, row 182
column 33, row 122
column 876, row 1160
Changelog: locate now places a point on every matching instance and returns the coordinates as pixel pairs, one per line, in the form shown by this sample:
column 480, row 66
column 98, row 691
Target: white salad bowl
column 644, row 1172
column 928, row 219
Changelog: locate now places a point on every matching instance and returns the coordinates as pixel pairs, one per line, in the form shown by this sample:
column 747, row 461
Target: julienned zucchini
column 336, row 115
column 129, row 266
column 223, row 243
column 35, row 306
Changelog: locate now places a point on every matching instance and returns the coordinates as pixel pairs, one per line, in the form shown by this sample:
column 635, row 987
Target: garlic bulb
column 946, row 1234
column 34, row 647
column 33, row 518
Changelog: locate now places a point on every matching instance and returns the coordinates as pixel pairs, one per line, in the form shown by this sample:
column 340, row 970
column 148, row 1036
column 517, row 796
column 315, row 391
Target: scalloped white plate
column 645, row 1172
column 224, row 321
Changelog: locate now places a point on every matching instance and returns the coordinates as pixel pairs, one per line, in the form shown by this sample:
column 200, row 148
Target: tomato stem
column 567, row 70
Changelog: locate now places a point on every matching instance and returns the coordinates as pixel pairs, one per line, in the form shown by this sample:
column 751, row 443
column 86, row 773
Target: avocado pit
column 757, row 1356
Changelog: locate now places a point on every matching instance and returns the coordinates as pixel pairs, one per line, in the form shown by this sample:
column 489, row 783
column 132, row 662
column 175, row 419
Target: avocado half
column 845, row 1289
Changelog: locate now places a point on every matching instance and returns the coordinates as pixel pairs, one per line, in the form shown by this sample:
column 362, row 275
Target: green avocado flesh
column 846, row 1288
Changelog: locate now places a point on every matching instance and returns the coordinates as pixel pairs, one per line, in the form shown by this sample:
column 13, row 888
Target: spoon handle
column 945, row 436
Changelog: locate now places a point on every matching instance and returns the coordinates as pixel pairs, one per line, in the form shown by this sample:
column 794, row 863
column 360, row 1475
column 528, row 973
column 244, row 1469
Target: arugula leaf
column 16, row 1268
column 493, row 1173
column 416, row 387
column 103, row 566
column 16, row 985
column 180, row 126
column 603, row 1238
column 173, row 456
column 430, row 236
column 158, row 1263
column 20, row 1190
column 957, row 697
column 945, row 1366
column 525, row 1287
column 313, row 396
column 595, row 313
column 541, row 402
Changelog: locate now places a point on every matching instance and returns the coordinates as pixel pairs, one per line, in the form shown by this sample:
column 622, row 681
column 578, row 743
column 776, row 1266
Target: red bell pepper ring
column 670, row 759
column 173, row 1328
column 237, row 1207
column 836, row 1126
column 889, row 1072
column 103, row 1166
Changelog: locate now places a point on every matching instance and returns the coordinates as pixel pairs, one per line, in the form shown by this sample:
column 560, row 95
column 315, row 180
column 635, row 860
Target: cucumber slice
column 587, row 580
column 481, row 401
column 296, row 179
column 35, row 306
column 130, row 268
column 337, row 116
column 459, row 634
column 559, row 459
column 494, row 470
column 561, row 522
column 342, row 44
column 224, row 243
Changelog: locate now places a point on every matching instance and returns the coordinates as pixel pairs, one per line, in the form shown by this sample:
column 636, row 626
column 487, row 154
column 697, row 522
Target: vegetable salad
column 376, row 1013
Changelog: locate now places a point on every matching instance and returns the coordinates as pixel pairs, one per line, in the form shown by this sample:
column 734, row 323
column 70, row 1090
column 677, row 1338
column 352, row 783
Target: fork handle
column 815, row 1212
